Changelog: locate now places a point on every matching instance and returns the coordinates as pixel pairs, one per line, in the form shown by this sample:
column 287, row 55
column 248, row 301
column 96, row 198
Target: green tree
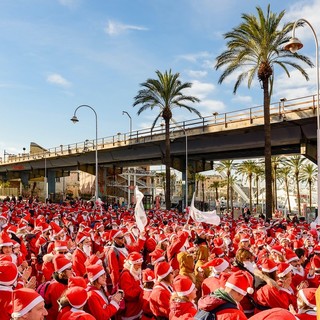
column 247, row 169
column 296, row 164
column 216, row 185
column 165, row 93
column 255, row 47
column 284, row 174
column 309, row 175
column 258, row 171
column 275, row 162
column 226, row 167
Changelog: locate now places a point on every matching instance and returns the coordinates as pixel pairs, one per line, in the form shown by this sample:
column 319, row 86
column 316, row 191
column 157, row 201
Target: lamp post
column 125, row 112
column 294, row 44
column 74, row 119
column 45, row 179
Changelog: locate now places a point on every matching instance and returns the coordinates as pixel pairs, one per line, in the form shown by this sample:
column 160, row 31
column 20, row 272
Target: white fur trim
column 135, row 261
column 305, row 300
column 6, row 244
column 164, row 275
column 162, row 258
column 26, row 309
column 47, row 257
column 61, row 248
column 286, row 271
column 67, row 266
column 78, row 306
column 117, row 233
column 269, row 270
column 223, row 266
column 95, row 277
column 185, row 293
column 235, row 288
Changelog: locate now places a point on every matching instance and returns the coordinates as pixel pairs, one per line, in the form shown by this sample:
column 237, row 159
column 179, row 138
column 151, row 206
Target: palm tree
column 258, row 171
column 226, row 167
column 255, row 47
column 296, row 164
column 165, row 92
column 247, row 168
column 215, row 185
column 275, row 162
column 309, row 174
column 284, row 175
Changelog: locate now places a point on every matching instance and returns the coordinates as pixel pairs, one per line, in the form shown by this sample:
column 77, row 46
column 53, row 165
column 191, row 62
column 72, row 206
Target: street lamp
column 45, row 179
column 125, row 112
column 294, row 44
column 74, row 119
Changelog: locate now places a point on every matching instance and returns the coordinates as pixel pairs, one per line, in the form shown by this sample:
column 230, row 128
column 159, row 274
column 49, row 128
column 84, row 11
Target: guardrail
column 279, row 109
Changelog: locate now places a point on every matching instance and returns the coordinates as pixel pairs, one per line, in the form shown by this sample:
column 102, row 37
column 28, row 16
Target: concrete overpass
column 233, row 135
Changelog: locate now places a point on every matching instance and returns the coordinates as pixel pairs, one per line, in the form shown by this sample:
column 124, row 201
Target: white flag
column 139, row 213
column 209, row 217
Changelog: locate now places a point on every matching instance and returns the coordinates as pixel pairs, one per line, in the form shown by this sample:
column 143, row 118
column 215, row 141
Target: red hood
column 182, row 308
column 207, row 303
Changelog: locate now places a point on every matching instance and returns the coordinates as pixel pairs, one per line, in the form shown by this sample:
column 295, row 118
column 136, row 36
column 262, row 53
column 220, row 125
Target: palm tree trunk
column 287, row 190
column 298, row 194
column 228, row 190
column 257, row 197
column 168, row 166
column 267, row 148
column 250, row 194
column 310, row 195
column 275, row 189
column 202, row 185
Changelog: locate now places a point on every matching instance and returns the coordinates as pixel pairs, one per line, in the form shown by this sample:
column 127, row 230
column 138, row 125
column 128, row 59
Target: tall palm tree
column 216, row 185
column 275, row 163
column 255, row 47
column 258, row 171
column 247, row 168
column 284, row 174
column 165, row 92
column 296, row 164
column 309, row 174
column 226, row 167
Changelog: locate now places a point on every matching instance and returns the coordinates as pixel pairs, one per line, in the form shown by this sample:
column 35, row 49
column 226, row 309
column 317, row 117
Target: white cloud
column 57, row 79
column 242, row 99
column 69, row 3
column 197, row 73
column 209, row 106
column 200, row 89
column 114, row 28
column 195, row 57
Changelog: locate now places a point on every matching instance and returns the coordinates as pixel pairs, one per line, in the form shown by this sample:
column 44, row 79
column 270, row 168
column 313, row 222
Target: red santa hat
column 274, row 314
column 61, row 263
column 134, row 258
column 115, row 234
column 148, row 275
column 8, row 273
column 278, row 249
column 77, row 282
column 5, row 240
column 244, row 238
column 298, row 244
column 240, row 281
column 60, row 245
column 308, row 296
column 94, row 272
column 218, row 265
column 316, row 249
column 45, row 227
column 157, row 255
column 218, row 242
column 183, row 286
column 81, row 236
column 268, row 265
column 57, row 230
column 77, row 296
column 24, row 300
column 162, row 269
column 283, row 269
column 93, row 259
column 291, row 256
column 218, row 252
column 315, row 262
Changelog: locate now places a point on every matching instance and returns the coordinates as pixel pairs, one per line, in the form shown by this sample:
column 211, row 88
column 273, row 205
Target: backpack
column 211, row 315
column 42, row 288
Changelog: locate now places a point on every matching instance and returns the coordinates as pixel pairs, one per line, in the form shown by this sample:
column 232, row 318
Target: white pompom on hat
column 241, row 281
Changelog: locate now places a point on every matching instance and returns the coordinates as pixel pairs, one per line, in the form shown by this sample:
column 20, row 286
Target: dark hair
column 300, row 252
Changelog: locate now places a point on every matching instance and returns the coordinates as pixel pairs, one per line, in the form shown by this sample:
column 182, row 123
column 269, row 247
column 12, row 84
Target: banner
column 139, row 213
column 209, row 217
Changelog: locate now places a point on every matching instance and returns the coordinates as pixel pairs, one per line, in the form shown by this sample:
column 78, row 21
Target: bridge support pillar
column 51, row 182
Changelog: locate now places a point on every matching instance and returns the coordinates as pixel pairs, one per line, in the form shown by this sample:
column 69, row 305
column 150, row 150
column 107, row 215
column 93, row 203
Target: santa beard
column 87, row 250
column 135, row 273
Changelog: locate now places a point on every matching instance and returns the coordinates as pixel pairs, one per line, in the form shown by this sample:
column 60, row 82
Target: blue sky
column 58, row 54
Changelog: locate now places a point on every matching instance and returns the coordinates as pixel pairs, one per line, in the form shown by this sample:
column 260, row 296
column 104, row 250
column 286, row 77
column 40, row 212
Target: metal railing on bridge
column 277, row 109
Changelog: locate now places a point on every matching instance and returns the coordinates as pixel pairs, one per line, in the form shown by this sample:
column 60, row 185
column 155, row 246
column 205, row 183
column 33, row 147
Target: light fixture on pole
column 74, row 119
column 294, row 44
column 45, row 179
column 125, row 112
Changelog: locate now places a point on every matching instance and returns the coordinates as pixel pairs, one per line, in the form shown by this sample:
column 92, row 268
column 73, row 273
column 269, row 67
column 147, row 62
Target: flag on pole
column 139, row 213
column 209, row 217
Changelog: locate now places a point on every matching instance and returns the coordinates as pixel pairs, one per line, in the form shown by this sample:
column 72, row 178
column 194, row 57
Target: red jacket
column 78, row 262
column 5, row 302
column 160, row 299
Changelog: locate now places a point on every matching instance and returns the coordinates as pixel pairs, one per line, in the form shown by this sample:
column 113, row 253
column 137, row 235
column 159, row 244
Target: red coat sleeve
column 98, row 308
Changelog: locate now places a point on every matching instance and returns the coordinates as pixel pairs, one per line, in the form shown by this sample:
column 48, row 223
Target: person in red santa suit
column 63, row 271
column 130, row 283
column 218, row 275
column 8, row 276
column 77, row 298
column 272, row 297
column 225, row 303
column 27, row 305
column 148, row 279
column 162, row 290
column 99, row 304
column 313, row 275
column 81, row 254
column 98, row 242
column 118, row 252
column 306, row 302
column 182, row 300
column 274, row 314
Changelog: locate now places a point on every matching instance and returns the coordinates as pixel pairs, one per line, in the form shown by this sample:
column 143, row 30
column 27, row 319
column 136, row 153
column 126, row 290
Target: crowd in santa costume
column 80, row 260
